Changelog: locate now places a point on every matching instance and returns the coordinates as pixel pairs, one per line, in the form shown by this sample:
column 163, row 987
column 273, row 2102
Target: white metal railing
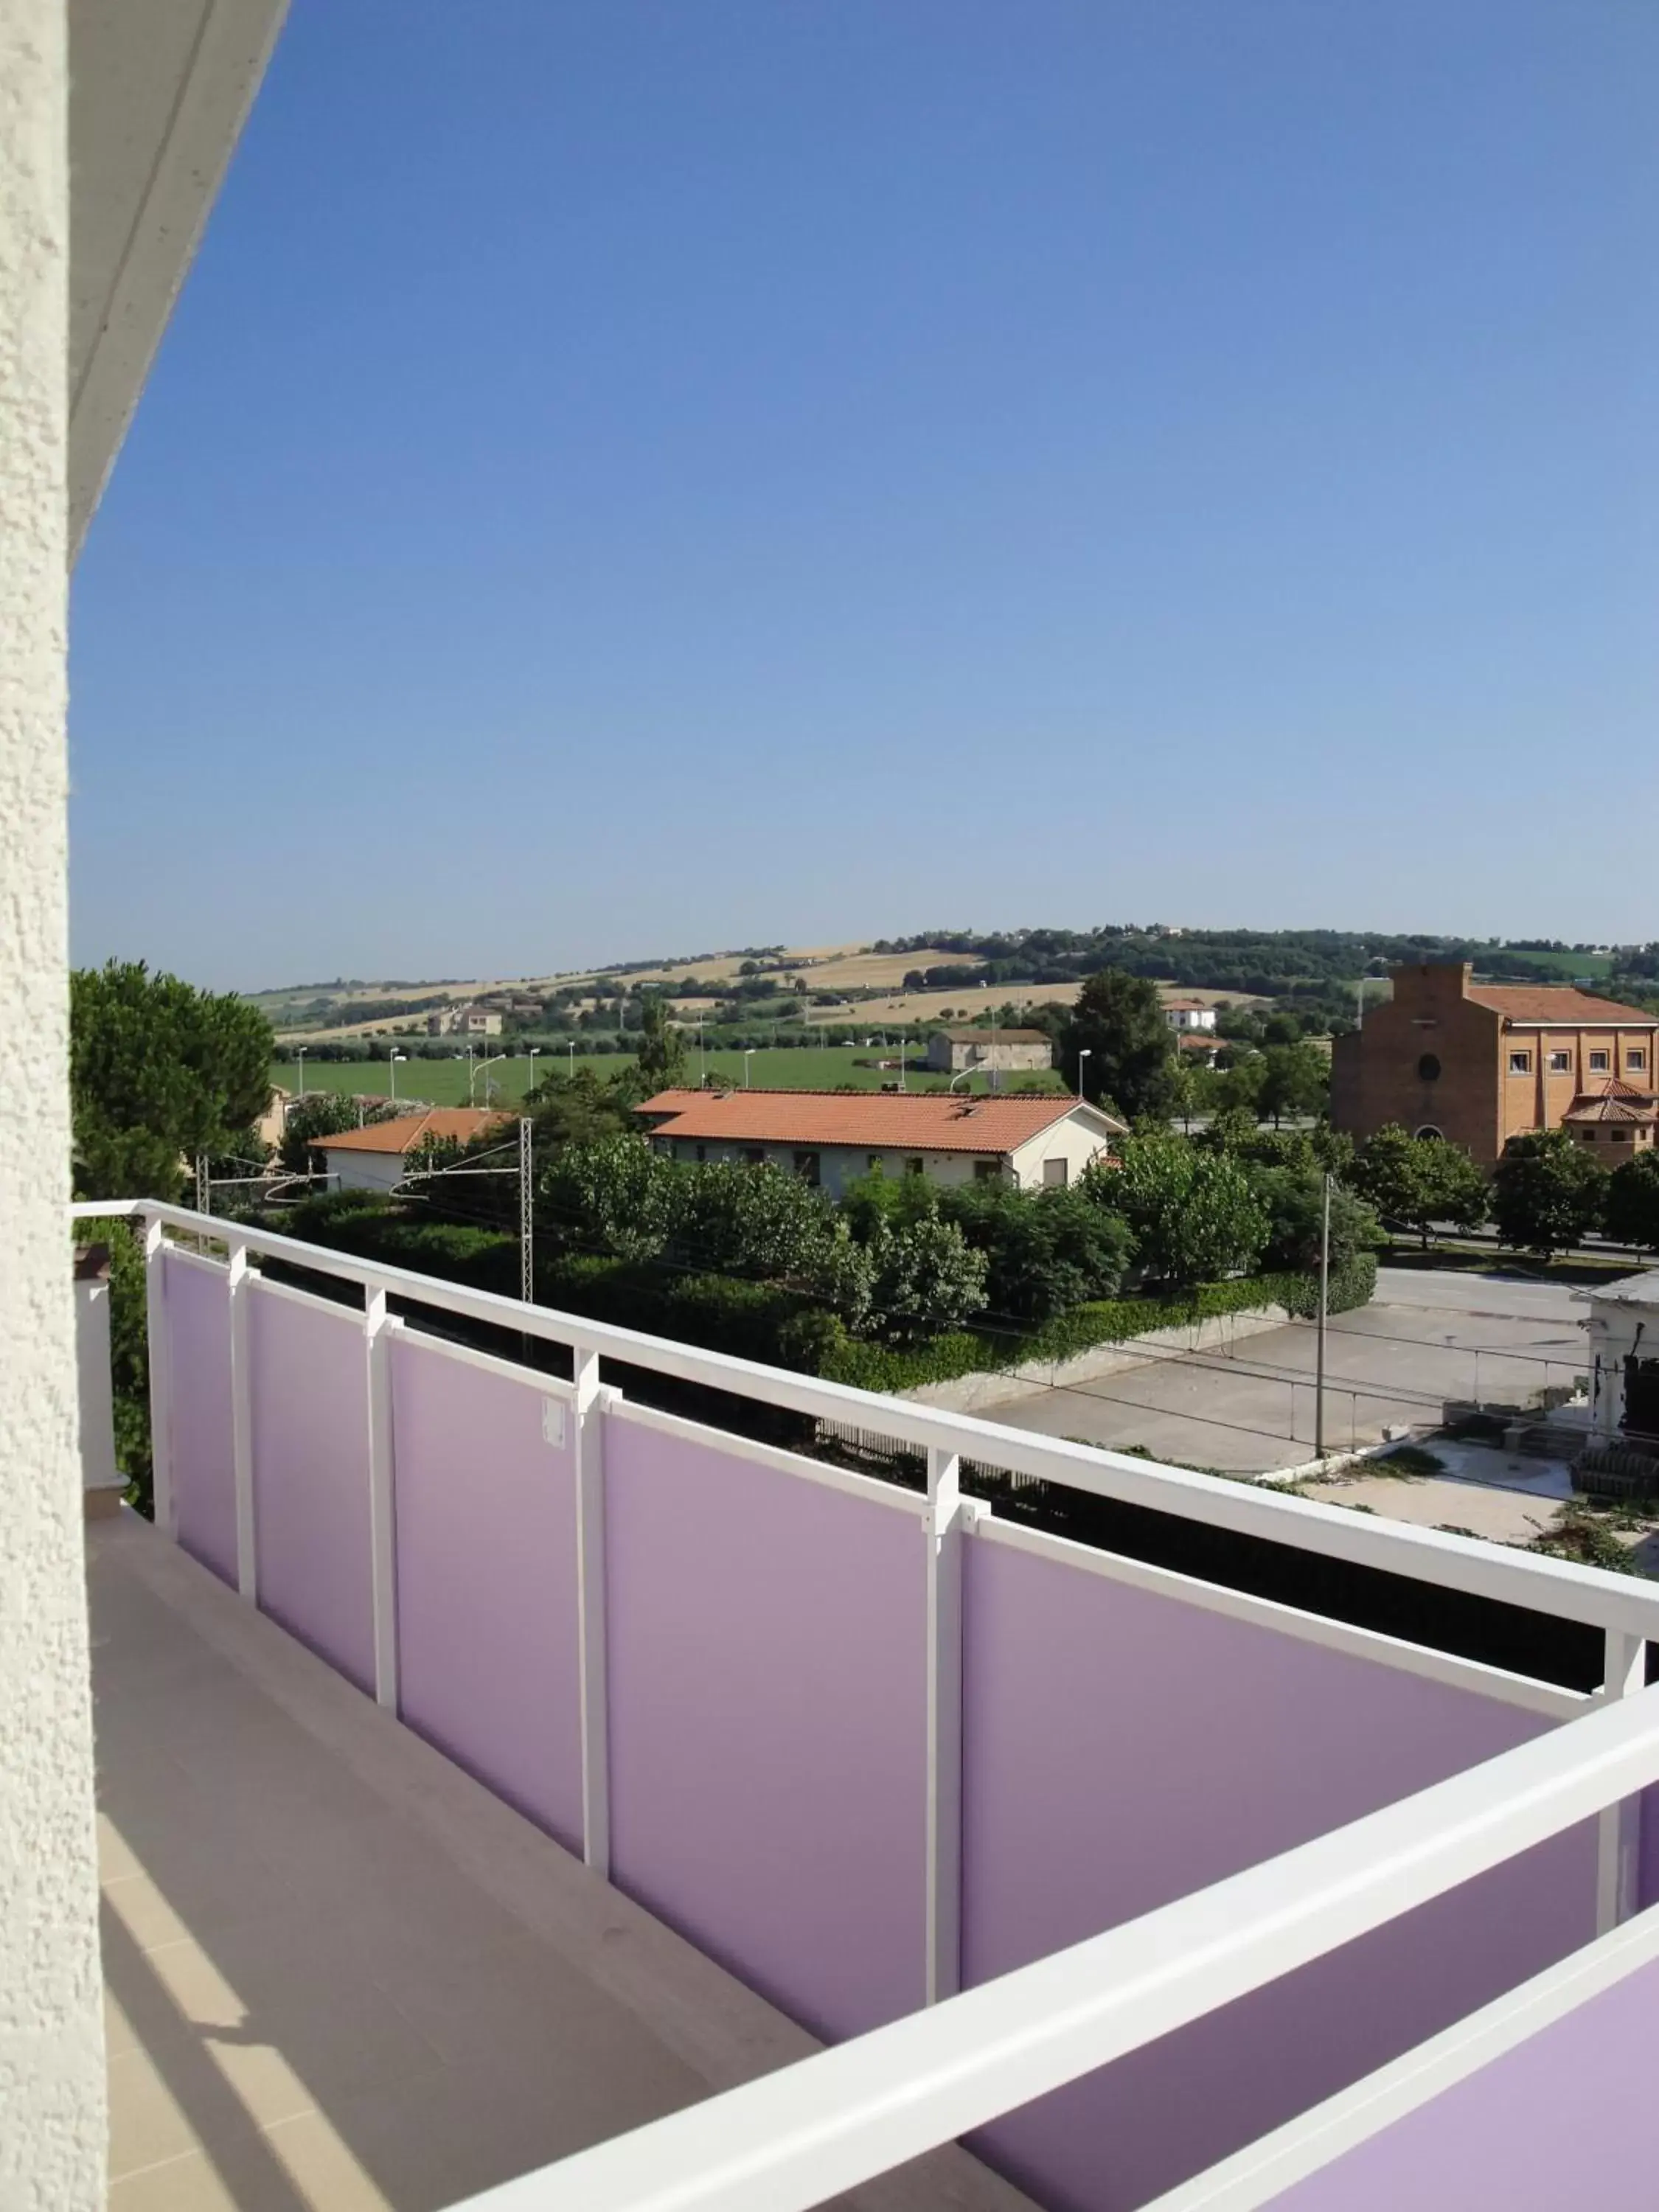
column 890, row 2095
column 787, row 2141
column 1538, row 1583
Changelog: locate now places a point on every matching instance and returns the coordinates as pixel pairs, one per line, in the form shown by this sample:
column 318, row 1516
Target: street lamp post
column 392, row 1058
column 299, row 1055
column 530, row 1085
column 570, row 1060
column 1087, row 1053
column 748, row 1055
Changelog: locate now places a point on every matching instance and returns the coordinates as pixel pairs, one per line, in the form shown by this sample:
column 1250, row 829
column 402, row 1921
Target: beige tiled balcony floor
column 338, row 1974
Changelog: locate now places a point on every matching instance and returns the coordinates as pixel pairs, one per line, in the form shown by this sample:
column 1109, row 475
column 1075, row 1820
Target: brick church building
column 1477, row 1063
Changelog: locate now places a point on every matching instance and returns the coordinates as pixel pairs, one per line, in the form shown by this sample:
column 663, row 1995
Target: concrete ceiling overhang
column 159, row 91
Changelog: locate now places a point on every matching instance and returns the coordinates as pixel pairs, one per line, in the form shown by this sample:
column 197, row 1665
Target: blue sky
column 630, row 477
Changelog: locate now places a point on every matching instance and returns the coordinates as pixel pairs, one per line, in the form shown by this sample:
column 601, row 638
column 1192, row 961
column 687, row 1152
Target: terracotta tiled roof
column 880, row 1121
column 981, row 1036
column 1554, row 1002
column 1613, row 1101
column 463, row 1124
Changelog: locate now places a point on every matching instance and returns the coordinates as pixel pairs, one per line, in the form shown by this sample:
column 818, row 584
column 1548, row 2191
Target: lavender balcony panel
column 1566, row 2118
column 310, row 1405
column 1122, row 1749
column 768, row 1723
column 1647, row 1879
column 486, row 1546
column 199, row 1349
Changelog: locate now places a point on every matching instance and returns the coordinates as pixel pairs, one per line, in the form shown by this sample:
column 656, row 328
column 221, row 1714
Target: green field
column 443, row 1082
column 1571, row 967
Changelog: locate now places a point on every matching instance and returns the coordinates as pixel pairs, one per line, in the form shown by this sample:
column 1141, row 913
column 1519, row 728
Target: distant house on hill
column 953, row 1051
column 1185, row 1014
column 463, row 1020
column 831, row 1138
column 373, row 1158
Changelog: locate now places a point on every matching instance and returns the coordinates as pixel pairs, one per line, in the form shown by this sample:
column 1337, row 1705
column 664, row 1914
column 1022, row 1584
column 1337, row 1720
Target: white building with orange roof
column 831, row 1138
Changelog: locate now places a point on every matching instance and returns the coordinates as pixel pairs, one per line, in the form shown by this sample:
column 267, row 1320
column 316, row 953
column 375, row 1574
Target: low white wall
column 971, row 1393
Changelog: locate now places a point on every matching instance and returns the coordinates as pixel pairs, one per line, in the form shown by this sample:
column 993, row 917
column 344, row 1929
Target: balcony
column 511, row 1782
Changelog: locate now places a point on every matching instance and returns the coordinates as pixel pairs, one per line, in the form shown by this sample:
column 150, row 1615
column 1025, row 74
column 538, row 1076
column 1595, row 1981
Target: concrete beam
column 159, row 91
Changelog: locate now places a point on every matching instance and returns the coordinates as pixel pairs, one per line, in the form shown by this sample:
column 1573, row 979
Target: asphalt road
column 1249, row 1408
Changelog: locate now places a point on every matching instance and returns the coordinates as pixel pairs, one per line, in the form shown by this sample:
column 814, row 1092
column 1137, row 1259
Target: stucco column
column 51, row 2064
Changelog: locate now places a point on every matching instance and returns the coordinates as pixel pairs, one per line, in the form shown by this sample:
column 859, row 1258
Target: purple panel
column 487, row 1634
column 198, row 1351
column 1122, row 1750
column 1564, row 2120
column 768, row 1723
column 310, row 1403
column 1647, row 1875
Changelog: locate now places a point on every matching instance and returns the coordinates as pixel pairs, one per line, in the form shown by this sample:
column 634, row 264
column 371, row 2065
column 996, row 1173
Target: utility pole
column 1324, row 1307
column 526, row 1214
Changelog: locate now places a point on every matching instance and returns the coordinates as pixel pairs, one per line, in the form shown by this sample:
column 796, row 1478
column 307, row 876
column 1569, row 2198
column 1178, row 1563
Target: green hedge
column 1103, row 1320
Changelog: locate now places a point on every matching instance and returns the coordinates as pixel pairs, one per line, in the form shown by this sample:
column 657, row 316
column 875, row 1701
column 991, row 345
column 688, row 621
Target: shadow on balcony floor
column 340, row 1975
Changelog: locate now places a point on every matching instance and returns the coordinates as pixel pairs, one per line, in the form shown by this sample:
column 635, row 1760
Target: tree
column 1118, row 1038
column 611, row 1196
column 1419, row 1180
column 1193, row 1214
column 1293, row 1198
column 1631, row 1215
column 925, row 1280
column 1239, row 1078
column 661, row 1061
column 746, row 1221
column 1296, row 1080
column 159, row 1071
column 1546, row 1194
column 1045, row 1250
column 581, row 1110
column 322, row 1113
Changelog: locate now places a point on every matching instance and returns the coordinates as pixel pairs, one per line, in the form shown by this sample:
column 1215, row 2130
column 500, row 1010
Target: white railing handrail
column 1560, row 1588
column 792, row 2139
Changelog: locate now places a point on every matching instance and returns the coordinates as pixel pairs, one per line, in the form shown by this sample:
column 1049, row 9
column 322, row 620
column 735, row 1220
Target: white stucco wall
column 358, row 1170
column 1071, row 1141
column 52, row 2059
column 839, row 1165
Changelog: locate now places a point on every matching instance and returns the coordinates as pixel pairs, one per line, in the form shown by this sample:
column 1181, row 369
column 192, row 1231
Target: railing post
column 242, row 1427
column 378, row 1327
column 160, row 1379
column 943, row 1530
column 587, row 1445
column 1619, row 1826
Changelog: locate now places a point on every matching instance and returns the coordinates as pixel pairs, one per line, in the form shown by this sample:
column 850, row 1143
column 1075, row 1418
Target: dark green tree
column 1118, row 1038
column 1417, row 1182
column 581, row 1108
column 159, row 1071
column 1631, row 1215
column 1193, row 1211
column 1293, row 1198
column 1046, row 1250
column 662, row 1060
column 1546, row 1192
column 1296, row 1080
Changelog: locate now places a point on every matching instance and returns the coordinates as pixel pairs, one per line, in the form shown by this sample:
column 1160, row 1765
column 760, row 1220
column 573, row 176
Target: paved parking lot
column 1425, row 1338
